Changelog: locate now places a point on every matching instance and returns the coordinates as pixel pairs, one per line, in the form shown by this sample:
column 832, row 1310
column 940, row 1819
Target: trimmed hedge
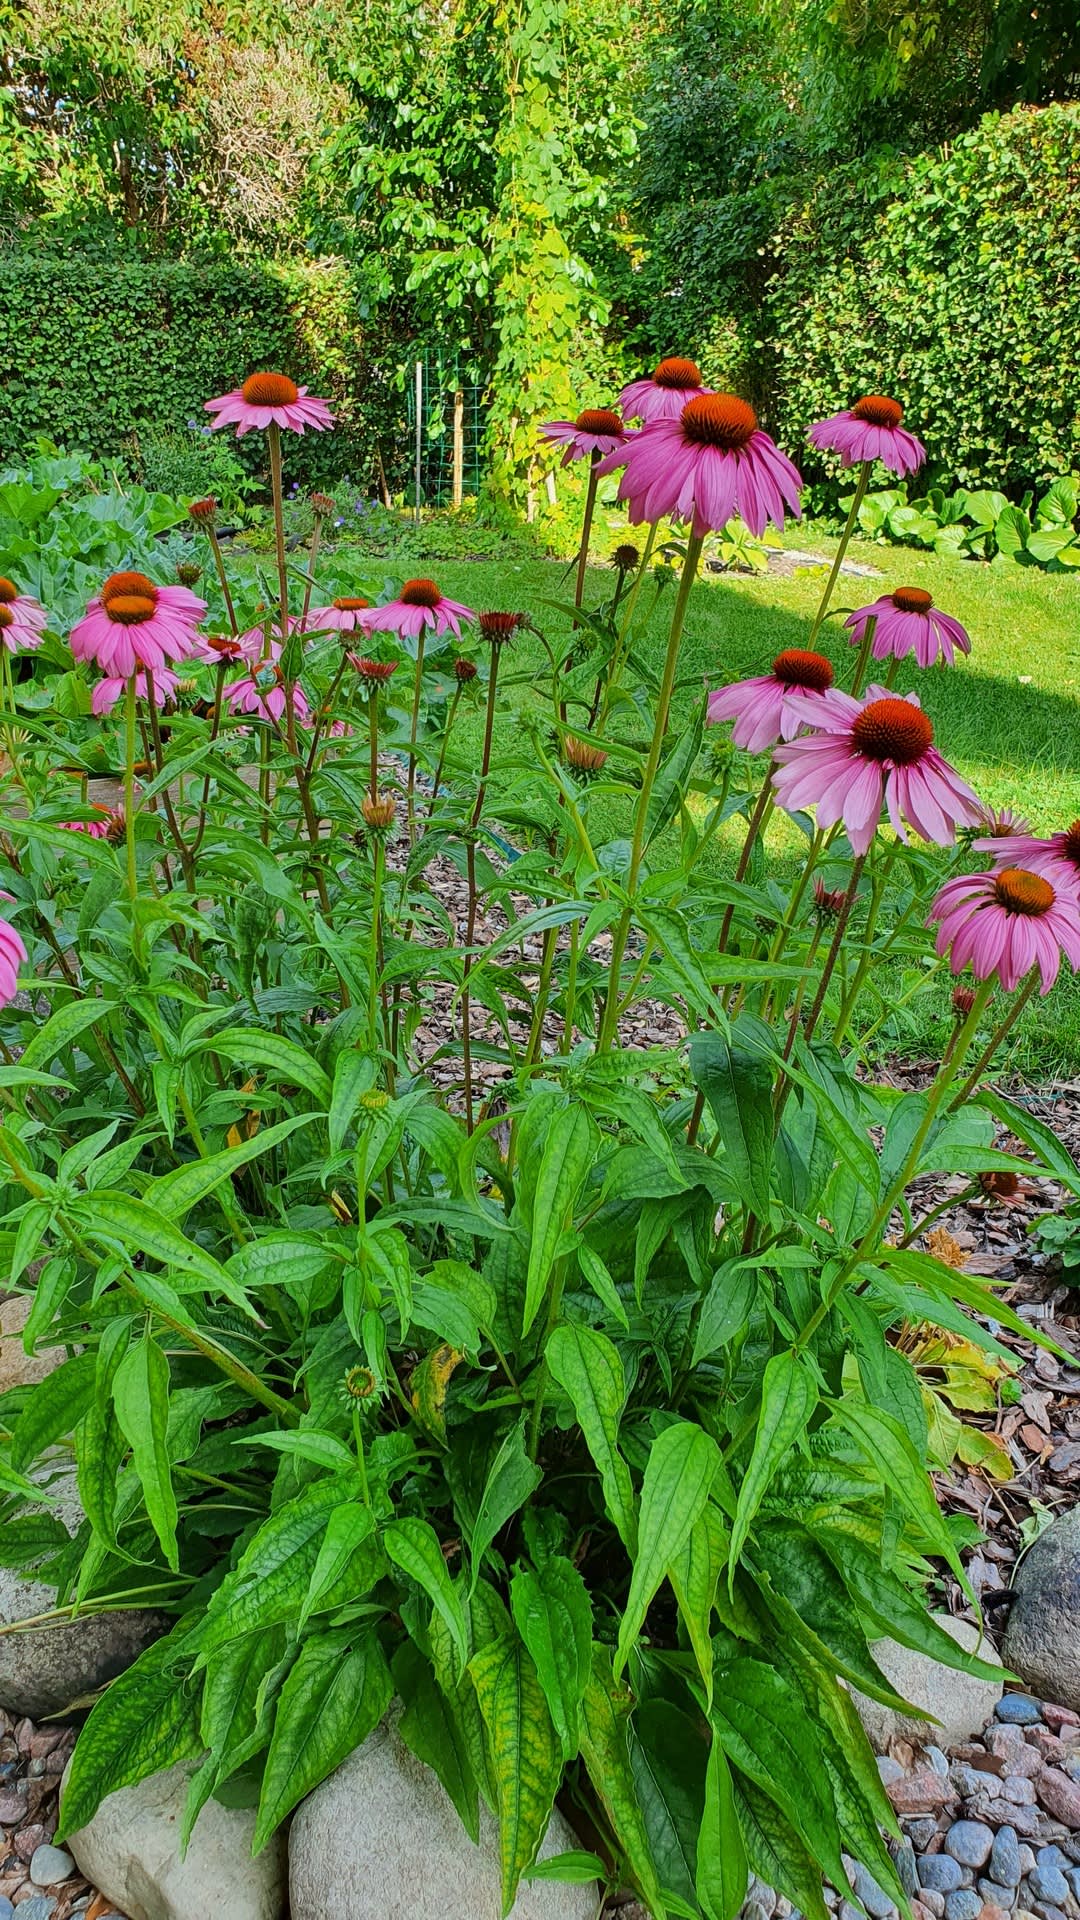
column 94, row 347
column 949, row 280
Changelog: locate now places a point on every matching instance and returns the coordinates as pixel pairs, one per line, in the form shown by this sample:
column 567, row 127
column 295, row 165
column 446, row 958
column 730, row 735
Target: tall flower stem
column 470, row 858
column 223, row 583
column 129, row 787
column 313, row 554
column 375, row 954
column 863, row 661
column 625, row 629
column 414, row 727
column 756, row 825
column 663, row 710
column 447, row 730
column 882, row 870
column 373, row 738
column 273, row 441
column 586, row 533
column 832, row 956
column 838, row 557
column 1003, row 1027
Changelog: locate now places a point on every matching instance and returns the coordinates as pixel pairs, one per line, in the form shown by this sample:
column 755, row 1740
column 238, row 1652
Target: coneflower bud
column 963, row 999
column 339, row 1209
column 188, row 572
column 204, row 512
column 498, row 627
column 626, row 558
column 377, row 672
column 464, row 669
column 828, row 901
column 378, row 811
column 1000, row 1184
column 582, row 755
column 360, row 1383
column 116, row 827
column 375, row 1100
column 322, row 504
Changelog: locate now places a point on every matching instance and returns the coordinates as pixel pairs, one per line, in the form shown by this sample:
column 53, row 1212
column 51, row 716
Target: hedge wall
column 91, row 348
column 949, row 280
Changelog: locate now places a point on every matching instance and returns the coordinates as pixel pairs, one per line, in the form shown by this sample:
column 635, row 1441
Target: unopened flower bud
column 464, row 669
column 360, row 1383
column 963, row 999
column 626, row 558
column 828, row 901
column 322, row 504
column 582, row 755
column 498, row 627
column 188, row 572
column 204, row 512
column 378, row 811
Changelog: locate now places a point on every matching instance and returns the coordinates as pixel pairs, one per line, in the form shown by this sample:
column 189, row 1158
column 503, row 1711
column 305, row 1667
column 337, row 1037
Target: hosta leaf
column 605, row 1749
column 433, row 1728
column 336, row 1692
column 144, row 1722
column 788, row 1397
column 588, row 1369
column 775, row 1850
column 512, row 1477
column 553, row 1614
column 525, row 1752
column 681, row 1466
column 569, row 1152
column 722, row 1870
column 413, row 1546
column 694, row 1574
column 141, row 1398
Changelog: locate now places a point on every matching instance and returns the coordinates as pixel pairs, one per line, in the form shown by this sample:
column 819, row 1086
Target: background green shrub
column 949, row 280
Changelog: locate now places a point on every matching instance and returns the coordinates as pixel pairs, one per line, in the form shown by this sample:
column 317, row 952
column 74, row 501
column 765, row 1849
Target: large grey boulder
column 1042, row 1638
column 960, row 1703
column 381, row 1840
column 17, row 1367
column 45, row 1670
column 130, row 1851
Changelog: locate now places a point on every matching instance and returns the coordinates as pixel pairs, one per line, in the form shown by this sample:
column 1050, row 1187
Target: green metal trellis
column 452, row 416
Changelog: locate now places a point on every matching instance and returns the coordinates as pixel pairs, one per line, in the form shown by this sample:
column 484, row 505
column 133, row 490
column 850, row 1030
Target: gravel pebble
column 920, row 1833
column 933, row 1901
column 997, row 1896
column 964, row 1904
column 906, row 1873
column 1048, row 1883
column 50, row 1865
column 1051, row 1857
column 969, row 1842
column 40, row 1906
column 1027, row 1859
column 1005, row 1858
column 1018, row 1710
column 1020, row 1791
column 1057, row 1717
column 937, row 1760
column 941, row 1872
column 1060, row 1796
column 874, row 1898
column 888, row 1769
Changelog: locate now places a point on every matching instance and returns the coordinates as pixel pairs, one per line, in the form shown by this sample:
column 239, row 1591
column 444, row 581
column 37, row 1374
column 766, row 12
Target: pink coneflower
column 870, row 430
column 97, row 829
column 1060, row 855
column 908, row 622
column 162, row 683
column 761, row 708
column 22, row 619
column 12, row 957
column 1007, row 922
column 418, row 605
column 269, row 398
column 706, row 466
column 501, row 627
column 341, row 616
column 664, row 396
column 222, row 649
column 267, row 703
column 597, row 430
column 1001, row 823
column 132, row 624
column 874, row 750
column 375, row 672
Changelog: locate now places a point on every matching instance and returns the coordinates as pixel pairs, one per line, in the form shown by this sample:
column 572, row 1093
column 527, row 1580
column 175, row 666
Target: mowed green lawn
column 1008, row 716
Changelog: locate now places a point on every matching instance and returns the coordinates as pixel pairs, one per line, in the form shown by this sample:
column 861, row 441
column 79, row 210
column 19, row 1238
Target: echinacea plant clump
column 428, row 1329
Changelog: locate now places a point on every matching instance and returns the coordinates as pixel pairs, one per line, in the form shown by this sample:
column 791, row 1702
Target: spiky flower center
column 626, row 557
column 420, row 593
column 349, row 605
column 598, row 420
column 1027, row 894
column 878, row 410
column 8, row 590
column 222, row 644
column 911, row 600
column 1070, row 843
column 677, row 375
column 270, row 390
column 500, row 626
column 464, row 669
column 798, row 667
column 7, row 618
column 892, row 729
column 719, row 420
column 129, row 598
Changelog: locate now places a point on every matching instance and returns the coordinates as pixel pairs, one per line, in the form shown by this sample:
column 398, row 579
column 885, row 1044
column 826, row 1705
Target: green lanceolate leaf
column 54, row 1408
column 270, row 1582
column 595, row 1273
column 788, row 1397
column 736, row 1080
column 99, row 1442
column 237, row 1712
column 588, row 1369
column 776, row 1852
column 413, row 1546
column 512, row 1477
column 336, row 1692
column 175, row 1193
column 722, row 1870
column 681, row 1467
column 892, row 1608
column 525, row 1752
column 605, row 1749
column 799, row 1569
column 61, row 1028
column 120, row 1220
column 348, row 1564
column 141, row 1398
column 902, row 1469
column 354, row 1073
column 553, row 1614
column 255, row 1048
column 668, row 1753
column 760, row 1723
column 146, row 1721
column 694, row 1574
column 433, row 1728
column 726, row 1307
column 568, row 1154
